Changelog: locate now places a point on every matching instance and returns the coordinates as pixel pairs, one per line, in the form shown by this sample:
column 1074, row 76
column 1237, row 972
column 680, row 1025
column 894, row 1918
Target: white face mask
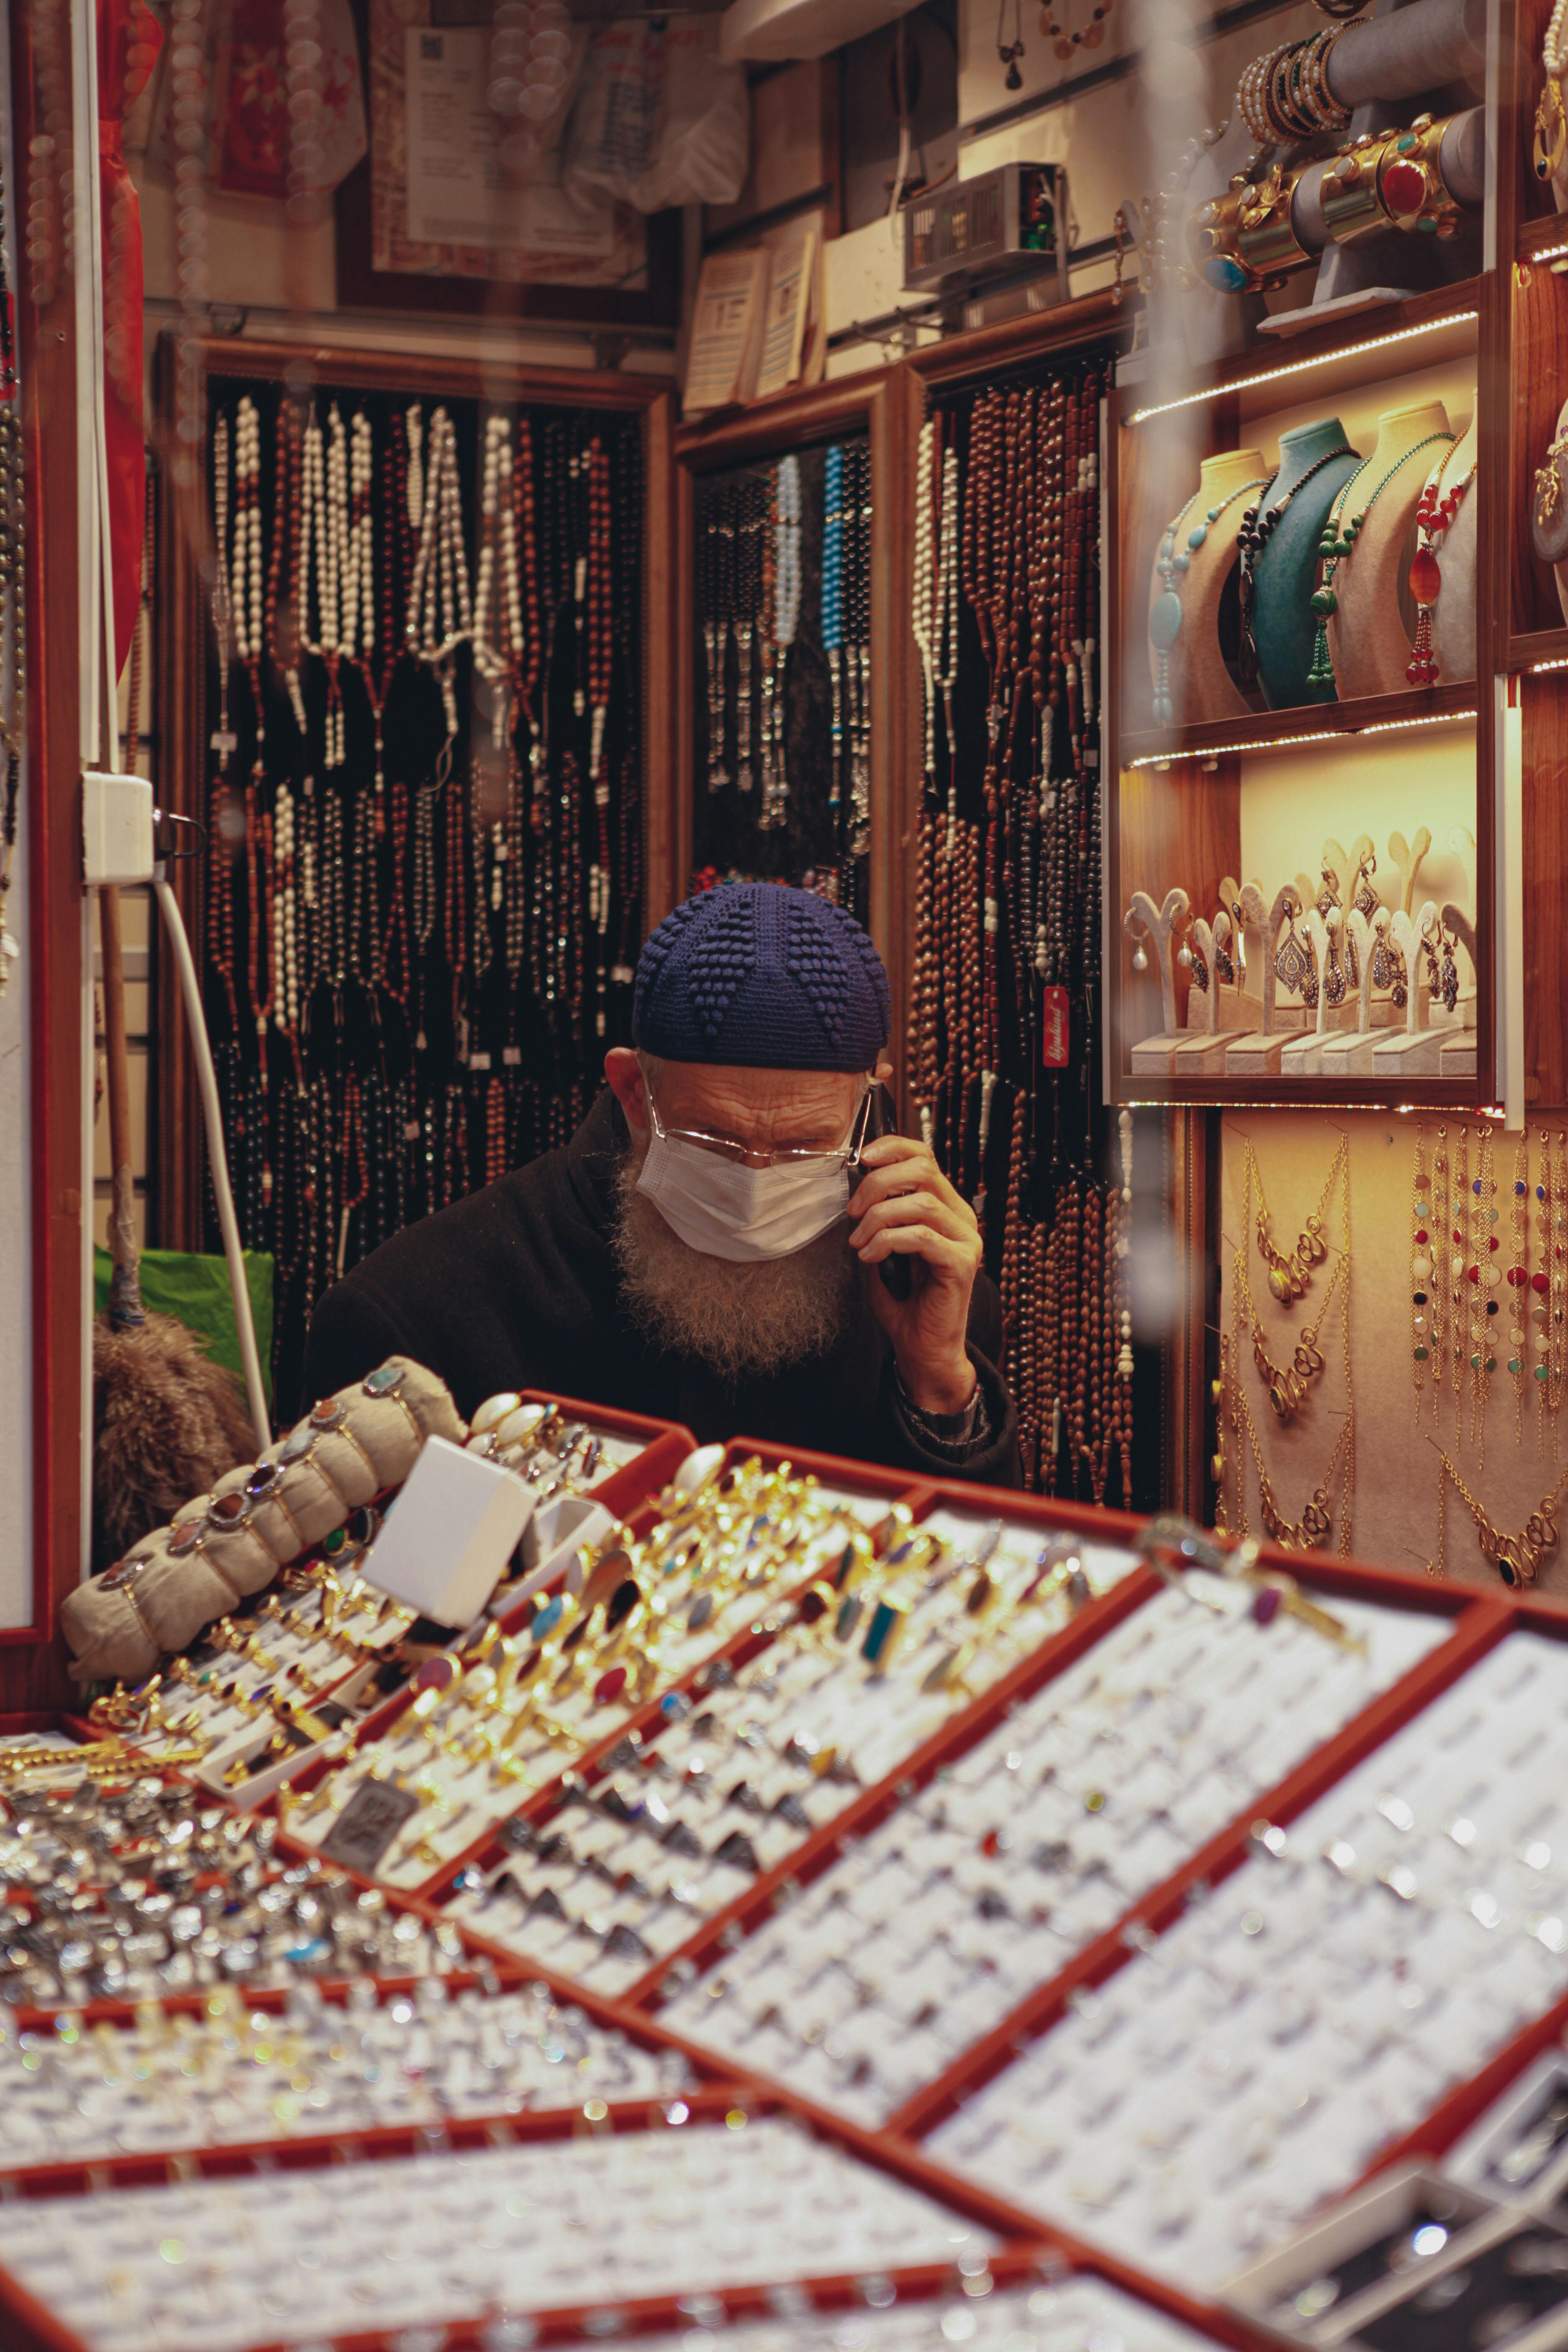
column 727, row 1210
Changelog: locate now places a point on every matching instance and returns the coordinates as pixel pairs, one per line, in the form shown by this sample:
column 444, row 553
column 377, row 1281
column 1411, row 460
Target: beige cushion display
column 156, row 1601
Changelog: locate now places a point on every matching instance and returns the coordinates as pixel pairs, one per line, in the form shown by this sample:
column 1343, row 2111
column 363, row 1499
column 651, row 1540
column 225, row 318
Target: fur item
column 166, row 1424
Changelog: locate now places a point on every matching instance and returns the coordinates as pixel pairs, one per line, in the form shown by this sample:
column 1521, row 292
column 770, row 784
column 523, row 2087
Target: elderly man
column 707, row 1247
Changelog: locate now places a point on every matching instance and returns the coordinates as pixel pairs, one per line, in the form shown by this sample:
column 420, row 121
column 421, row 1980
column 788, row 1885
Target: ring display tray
column 1105, row 1849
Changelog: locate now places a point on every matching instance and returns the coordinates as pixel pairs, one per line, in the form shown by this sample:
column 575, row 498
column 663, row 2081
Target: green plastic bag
column 196, row 1290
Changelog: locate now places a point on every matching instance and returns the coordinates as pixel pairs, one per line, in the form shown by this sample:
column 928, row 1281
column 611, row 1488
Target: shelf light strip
column 1562, row 663
column 1318, row 735
column 1551, row 252
column 1298, row 367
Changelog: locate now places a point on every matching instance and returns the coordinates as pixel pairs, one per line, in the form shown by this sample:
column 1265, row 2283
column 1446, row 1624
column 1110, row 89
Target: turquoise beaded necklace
column 1165, row 614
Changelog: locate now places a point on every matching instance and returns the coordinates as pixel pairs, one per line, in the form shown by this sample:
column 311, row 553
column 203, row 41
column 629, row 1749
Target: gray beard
column 744, row 1320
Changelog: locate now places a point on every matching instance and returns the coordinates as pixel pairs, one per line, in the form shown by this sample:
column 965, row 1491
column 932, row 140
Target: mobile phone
column 881, row 1119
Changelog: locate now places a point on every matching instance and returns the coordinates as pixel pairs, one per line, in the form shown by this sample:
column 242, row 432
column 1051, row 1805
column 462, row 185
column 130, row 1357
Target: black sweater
column 516, row 1287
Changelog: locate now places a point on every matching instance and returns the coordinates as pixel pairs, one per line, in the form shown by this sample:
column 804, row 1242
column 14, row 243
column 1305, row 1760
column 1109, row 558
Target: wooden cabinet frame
column 868, row 403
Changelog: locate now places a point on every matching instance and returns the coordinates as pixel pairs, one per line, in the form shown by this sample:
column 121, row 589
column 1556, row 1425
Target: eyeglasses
column 760, row 1155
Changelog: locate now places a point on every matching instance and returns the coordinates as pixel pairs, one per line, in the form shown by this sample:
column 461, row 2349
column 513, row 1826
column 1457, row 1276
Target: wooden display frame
column 176, row 1156
column 771, row 427
column 1179, row 822
column 58, row 1367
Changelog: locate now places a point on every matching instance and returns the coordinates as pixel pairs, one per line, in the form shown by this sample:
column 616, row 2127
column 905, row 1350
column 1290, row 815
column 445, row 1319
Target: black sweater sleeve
column 994, row 1461
column 349, row 1336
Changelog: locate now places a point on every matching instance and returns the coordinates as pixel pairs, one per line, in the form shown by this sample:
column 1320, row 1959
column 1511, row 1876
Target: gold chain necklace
column 1316, row 1522
column 1286, row 1384
column 1517, row 1558
column 1289, row 1276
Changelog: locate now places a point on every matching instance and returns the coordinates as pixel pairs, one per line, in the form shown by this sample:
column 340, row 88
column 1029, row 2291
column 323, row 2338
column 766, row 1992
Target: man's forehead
column 725, row 1090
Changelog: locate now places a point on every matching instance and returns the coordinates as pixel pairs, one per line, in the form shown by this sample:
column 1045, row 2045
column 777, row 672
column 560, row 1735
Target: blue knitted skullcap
column 765, row 976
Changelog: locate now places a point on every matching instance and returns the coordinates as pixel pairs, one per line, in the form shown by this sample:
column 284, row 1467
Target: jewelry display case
column 785, row 516
column 417, row 652
column 1301, row 854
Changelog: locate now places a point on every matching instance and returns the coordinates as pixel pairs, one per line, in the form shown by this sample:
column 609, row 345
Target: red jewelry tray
column 645, row 1719
column 1480, row 1620
column 1031, row 2247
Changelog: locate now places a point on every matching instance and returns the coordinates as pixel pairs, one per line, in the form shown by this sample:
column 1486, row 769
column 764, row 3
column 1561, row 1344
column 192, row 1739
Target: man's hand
column 905, row 1206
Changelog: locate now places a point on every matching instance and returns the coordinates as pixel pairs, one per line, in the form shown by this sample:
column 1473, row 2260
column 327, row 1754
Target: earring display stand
column 1304, row 1056
column 1416, row 1051
column 1159, row 925
column 1348, row 1054
column 1258, row 1055
column 1205, row 1043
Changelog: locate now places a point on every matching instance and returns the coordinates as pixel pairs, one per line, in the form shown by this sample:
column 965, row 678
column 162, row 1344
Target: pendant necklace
column 1259, row 524
column 1433, row 518
column 1289, row 1276
column 1338, row 544
column 1172, row 562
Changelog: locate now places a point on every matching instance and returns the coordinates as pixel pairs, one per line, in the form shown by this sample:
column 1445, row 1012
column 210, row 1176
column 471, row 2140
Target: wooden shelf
column 1315, row 348
column 1260, row 729
column 1537, row 648
column 1299, row 1094
column 1549, row 235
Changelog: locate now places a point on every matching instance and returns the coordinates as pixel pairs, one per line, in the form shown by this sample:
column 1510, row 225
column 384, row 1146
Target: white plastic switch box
column 117, row 829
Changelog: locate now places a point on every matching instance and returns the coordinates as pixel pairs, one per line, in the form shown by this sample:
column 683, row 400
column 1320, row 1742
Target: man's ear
column 623, row 1075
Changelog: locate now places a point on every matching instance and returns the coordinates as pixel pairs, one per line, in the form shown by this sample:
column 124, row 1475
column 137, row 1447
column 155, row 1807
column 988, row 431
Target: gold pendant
column 1550, row 129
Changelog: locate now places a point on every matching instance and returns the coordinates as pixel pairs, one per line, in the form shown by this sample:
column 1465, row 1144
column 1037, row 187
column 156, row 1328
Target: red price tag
column 1055, row 1029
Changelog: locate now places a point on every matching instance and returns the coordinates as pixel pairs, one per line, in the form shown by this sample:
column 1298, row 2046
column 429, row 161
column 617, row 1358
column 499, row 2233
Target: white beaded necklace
column 223, row 603
column 775, row 810
column 285, row 928
column 245, row 562
column 499, row 652
column 924, row 594
column 944, row 628
column 361, row 570
column 323, row 531
column 440, row 608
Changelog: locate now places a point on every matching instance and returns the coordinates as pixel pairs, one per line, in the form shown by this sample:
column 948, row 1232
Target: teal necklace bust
column 1337, row 545
column 1173, row 564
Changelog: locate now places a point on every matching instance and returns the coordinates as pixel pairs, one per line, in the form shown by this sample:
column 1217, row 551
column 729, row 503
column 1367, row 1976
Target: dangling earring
column 1139, row 958
column 1293, row 962
column 1222, row 963
column 1200, row 968
column 1448, row 988
column 1010, row 51
column 1333, row 971
column 1363, row 897
column 1238, row 933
